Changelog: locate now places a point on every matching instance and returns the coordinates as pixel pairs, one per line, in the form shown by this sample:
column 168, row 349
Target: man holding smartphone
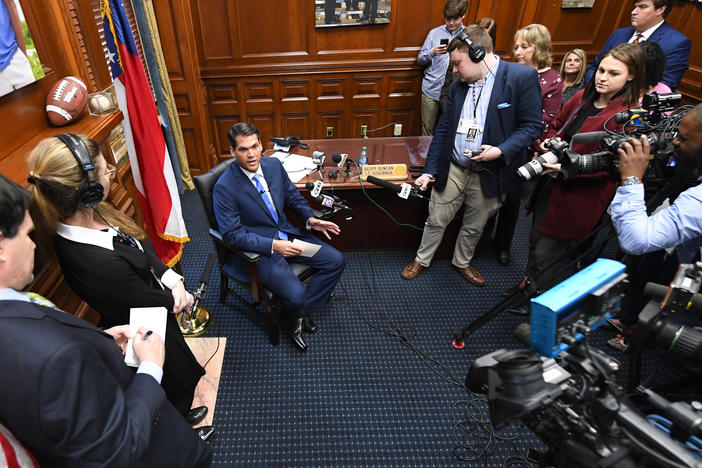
column 435, row 57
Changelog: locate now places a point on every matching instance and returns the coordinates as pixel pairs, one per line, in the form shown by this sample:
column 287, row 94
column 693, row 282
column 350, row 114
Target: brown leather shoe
column 471, row 275
column 412, row 270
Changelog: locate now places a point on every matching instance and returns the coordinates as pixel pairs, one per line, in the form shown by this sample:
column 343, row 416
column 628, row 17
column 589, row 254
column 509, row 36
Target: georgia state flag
column 151, row 166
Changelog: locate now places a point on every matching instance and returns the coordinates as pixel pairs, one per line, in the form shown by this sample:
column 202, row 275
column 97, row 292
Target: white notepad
column 151, row 318
column 308, row 249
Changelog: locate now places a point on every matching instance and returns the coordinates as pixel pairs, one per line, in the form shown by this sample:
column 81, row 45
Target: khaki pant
column 429, row 112
column 462, row 189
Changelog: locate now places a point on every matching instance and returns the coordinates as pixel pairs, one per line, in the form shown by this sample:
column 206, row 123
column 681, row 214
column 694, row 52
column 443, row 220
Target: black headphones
column 476, row 52
column 90, row 193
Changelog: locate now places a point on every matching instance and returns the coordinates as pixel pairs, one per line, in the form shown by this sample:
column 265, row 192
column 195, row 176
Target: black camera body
column 651, row 120
column 574, row 405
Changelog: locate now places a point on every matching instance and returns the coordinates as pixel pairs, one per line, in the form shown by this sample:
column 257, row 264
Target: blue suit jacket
column 243, row 217
column 674, row 43
column 69, row 397
column 513, row 122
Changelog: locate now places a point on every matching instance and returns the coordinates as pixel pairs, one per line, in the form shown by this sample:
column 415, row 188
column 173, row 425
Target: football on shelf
column 66, row 101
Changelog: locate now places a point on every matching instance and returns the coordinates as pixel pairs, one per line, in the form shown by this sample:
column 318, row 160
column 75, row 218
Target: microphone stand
column 195, row 321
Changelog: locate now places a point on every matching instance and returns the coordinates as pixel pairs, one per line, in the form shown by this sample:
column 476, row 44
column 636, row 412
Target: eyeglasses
column 110, row 171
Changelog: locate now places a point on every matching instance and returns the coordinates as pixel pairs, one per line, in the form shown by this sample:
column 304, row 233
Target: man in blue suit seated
column 67, row 394
column 250, row 199
column 493, row 113
column 648, row 24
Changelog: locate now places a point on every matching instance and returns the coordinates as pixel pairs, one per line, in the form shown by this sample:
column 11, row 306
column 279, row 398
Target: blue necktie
column 269, row 203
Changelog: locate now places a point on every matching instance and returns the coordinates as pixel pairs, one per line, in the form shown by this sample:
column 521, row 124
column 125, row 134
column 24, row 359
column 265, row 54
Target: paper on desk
column 308, row 249
column 151, row 318
column 297, row 166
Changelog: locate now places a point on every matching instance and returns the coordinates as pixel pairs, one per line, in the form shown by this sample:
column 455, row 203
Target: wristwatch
column 631, row 181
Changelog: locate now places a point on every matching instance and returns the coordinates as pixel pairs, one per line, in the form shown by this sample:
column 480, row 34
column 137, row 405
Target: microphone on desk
column 339, row 158
column 403, row 191
column 325, row 198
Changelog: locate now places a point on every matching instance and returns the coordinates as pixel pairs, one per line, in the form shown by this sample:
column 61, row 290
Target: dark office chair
column 205, row 184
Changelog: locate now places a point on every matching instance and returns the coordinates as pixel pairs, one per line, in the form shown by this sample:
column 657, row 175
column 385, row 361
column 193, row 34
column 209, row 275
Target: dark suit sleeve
column 234, row 233
column 89, row 415
column 677, row 63
column 431, row 165
column 527, row 102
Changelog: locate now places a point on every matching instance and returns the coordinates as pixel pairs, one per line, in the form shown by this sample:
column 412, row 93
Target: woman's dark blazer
column 112, row 282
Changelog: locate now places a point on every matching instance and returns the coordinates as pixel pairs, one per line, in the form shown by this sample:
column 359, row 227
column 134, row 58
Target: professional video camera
column 568, row 396
column 649, row 120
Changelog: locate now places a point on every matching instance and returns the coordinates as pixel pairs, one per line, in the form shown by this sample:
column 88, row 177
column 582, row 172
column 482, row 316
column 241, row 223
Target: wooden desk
column 403, row 150
column 370, row 227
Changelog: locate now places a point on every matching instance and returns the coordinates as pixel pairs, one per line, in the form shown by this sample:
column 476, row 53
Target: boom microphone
column 414, row 191
column 588, row 137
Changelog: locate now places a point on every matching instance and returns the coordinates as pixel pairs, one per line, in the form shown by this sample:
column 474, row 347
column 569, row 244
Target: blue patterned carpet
column 380, row 383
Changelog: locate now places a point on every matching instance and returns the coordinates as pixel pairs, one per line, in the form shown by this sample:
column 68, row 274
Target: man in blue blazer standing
column 493, row 114
column 648, row 24
column 249, row 201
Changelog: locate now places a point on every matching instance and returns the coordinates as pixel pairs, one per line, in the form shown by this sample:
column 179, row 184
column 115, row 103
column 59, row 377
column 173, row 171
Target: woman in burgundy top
column 532, row 47
column 568, row 210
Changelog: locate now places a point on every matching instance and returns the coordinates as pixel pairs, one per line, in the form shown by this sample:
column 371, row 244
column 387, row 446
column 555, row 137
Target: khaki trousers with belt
column 462, row 189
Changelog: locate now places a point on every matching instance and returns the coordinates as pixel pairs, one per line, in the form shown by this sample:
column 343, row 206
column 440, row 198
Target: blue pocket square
column 504, row 105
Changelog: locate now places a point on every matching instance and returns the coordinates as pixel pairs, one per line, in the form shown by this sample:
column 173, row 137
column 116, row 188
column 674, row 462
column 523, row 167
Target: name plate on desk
column 385, row 171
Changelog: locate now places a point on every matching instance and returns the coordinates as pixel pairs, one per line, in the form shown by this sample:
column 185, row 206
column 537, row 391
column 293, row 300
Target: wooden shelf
column 14, row 164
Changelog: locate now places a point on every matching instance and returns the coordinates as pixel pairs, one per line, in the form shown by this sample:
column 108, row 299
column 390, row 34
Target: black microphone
column 321, row 198
column 339, row 158
column 588, row 137
column 199, row 293
column 660, row 291
column 337, row 200
column 414, row 193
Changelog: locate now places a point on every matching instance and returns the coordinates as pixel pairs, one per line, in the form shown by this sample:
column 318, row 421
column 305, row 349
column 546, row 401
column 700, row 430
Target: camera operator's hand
column 549, row 168
column 634, row 157
column 542, row 146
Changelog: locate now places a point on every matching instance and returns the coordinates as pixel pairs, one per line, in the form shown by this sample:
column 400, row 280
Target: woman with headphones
column 101, row 257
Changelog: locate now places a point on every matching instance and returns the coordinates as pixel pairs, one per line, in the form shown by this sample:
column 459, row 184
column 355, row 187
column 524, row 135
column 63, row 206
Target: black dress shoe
column 297, row 334
column 522, row 310
column 196, row 415
column 205, row 432
column 308, row 326
column 503, row 257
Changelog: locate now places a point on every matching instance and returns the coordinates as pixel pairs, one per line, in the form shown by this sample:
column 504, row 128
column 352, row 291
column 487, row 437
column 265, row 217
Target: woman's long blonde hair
column 55, row 177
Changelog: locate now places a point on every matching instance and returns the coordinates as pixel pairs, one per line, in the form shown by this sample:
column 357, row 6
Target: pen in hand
column 147, row 335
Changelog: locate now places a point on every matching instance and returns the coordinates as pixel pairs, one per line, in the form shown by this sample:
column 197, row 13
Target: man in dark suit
column 250, row 199
column 493, row 114
column 68, row 395
column 648, row 24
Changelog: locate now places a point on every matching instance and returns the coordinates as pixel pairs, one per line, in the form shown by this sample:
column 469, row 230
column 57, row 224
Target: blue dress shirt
column 435, row 73
column 678, row 225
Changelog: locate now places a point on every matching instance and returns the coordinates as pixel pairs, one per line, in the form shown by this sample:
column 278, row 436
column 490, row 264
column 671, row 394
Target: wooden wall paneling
column 403, row 102
column 409, row 21
column 293, row 78
column 330, row 104
column 684, row 20
column 217, row 41
column 296, row 108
